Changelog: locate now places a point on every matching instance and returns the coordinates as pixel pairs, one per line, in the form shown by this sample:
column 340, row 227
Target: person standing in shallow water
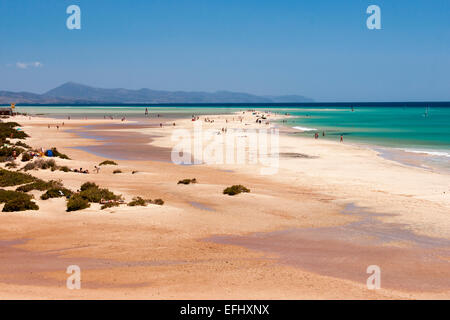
column 342, row 138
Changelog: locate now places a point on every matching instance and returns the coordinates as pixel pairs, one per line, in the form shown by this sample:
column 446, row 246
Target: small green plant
column 20, row 205
column 41, row 164
column 64, row 169
column 7, row 130
column 58, row 154
column 40, row 185
column 22, row 144
column 138, row 201
column 10, row 151
column 16, row 201
column 159, row 202
column 13, row 178
column 235, row 189
column 93, row 193
column 107, row 162
column 117, row 171
column 109, row 205
column 56, row 193
column 26, row 157
column 187, row 181
column 77, row 202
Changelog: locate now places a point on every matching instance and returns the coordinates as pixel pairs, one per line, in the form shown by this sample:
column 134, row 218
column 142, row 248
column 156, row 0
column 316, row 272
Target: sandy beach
column 308, row 231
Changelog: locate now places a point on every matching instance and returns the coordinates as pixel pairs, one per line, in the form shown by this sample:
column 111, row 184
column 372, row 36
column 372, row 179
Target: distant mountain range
column 74, row 93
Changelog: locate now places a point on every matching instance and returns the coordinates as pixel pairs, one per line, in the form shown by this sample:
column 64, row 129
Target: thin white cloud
column 25, row 65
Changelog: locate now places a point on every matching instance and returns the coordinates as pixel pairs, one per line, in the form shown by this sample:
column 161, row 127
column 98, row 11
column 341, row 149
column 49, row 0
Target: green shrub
column 38, row 184
column 8, row 195
column 77, row 202
column 56, row 193
column 26, row 157
column 64, row 169
column 7, row 152
column 41, row 164
column 109, row 205
column 117, row 171
column 88, row 185
column 159, row 202
column 22, row 144
column 7, row 130
column 236, row 189
column 138, row 201
column 93, row 193
column 187, row 181
column 58, row 154
column 107, row 162
column 16, row 201
column 13, row 178
column 20, row 205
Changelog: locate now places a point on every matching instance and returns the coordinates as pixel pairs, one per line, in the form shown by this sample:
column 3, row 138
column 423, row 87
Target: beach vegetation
column 16, row 201
column 93, row 193
column 13, row 178
column 235, row 189
column 64, row 169
column 26, row 157
column 58, row 154
column 7, row 130
column 187, row 181
column 117, row 171
column 109, row 205
column 139, row 201
column 38, row 184
column 77, row 202
column 159, row 202
column 22, row 144
column 41, row 164
column 107, row 162
column 9, row 152
column 56, row 192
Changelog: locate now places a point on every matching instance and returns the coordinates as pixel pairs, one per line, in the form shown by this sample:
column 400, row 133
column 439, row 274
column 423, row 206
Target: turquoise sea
column 412, row 129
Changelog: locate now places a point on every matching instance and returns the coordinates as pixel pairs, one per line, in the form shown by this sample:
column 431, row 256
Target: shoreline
column 305, row 193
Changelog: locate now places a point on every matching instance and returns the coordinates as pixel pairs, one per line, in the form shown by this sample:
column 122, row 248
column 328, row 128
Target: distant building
column 6, row 111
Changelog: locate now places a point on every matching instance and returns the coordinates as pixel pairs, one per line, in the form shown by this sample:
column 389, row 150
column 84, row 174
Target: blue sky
column 321, row 49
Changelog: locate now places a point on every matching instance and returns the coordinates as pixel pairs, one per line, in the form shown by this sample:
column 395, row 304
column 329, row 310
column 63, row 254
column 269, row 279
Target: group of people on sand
column 57, row 126
column 86, row 171
column 316, row 136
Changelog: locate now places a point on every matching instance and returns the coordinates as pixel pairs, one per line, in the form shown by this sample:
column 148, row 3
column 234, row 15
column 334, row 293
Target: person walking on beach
column 146, row 111
column 342, row 138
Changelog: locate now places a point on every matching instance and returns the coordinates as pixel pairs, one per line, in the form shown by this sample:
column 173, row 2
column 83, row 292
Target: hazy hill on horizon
column 75, row 93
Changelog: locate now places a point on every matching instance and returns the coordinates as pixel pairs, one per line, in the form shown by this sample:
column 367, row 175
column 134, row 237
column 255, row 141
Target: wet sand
column 121, row 141
column 407, row 261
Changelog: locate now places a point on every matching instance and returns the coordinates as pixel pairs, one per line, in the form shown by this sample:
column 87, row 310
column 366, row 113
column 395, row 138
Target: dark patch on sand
column 419, row 264
column 24, row 267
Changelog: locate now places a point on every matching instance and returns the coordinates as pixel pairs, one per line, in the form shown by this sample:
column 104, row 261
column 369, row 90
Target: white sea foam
column 429, row 152
column 304, row 128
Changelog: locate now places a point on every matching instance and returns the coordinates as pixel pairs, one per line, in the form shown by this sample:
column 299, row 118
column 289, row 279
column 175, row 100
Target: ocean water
column 410, row 128
column 413, row 129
